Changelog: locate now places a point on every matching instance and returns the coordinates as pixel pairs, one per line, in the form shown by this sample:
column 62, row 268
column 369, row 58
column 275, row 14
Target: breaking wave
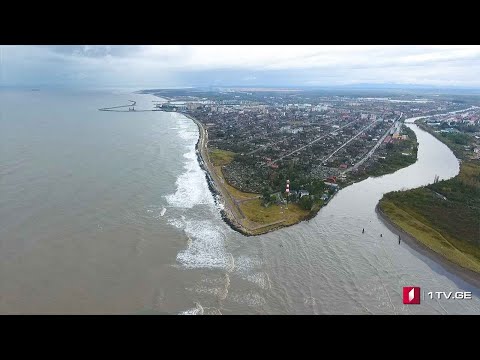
column 191, row 187
column 207, row 249
column 197, row 310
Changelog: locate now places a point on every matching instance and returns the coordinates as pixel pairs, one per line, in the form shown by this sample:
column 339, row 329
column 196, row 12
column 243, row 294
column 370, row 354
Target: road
column 372, row 151
column 312, row 142
column 348, row 141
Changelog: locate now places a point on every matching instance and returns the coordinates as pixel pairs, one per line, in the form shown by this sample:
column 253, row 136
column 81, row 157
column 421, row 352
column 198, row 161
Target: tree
column 266, row 196
column 306, row 202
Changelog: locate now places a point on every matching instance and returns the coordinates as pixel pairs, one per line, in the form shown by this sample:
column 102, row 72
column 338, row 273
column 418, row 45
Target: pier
column 131, row 108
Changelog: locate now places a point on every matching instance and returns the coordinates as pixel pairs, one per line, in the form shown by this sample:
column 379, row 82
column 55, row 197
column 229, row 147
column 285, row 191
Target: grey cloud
column 106, row 65
column 94, row 50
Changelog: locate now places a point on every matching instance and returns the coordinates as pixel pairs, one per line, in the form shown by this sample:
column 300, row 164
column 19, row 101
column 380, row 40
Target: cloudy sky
column 257, row 65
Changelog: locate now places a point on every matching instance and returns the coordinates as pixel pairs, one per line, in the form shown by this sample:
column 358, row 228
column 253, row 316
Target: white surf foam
column 245, row 265
column 260, row 279
column 250, row 298
column 206, row 250
column 155, row 211
column 191, row 186
column 197, row 310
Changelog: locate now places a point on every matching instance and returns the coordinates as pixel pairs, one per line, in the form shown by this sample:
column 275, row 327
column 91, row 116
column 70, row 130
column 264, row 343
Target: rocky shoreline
column 466, row 275
column 226, row 216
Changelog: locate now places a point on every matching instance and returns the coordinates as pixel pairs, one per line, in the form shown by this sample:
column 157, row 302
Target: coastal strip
column 230, row 212
column 466, row 275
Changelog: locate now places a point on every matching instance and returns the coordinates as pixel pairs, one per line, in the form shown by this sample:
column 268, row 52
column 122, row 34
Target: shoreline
column 226, row 212
column 230, row 213
column 469, row 276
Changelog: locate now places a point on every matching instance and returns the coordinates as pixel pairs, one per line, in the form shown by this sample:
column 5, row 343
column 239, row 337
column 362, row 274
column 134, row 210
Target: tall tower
column 287, row 190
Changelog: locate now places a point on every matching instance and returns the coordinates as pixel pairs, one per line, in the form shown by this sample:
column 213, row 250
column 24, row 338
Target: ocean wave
column 197, row 310
column 260, row 279
column 207, row 249
column 156, row 212
column 178, row 223
column 192, row 188
column 187, row 130
column 252, row 299
column 245, row 265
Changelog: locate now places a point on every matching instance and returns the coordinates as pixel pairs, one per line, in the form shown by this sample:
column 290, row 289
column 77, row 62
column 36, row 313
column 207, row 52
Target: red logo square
column 411, row 295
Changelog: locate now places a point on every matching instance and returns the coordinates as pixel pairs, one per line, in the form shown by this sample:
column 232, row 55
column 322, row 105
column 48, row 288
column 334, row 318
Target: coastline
column 226, row 212
column 466, row 275
column 230, row 212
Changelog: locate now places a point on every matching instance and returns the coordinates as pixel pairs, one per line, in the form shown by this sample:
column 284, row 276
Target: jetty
column 123, row 108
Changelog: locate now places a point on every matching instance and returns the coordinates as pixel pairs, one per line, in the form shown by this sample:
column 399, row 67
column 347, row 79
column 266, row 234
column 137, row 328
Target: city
column 240, row 179
column 260, row 139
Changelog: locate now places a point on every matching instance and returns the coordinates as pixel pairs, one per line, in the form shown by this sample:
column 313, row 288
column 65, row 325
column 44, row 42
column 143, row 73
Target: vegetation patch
column 257, row 212
column 453, row 249
column 221, row 157
column 445, row 215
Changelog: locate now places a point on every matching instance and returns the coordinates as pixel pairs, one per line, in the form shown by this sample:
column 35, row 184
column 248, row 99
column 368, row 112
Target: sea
column 110, row 213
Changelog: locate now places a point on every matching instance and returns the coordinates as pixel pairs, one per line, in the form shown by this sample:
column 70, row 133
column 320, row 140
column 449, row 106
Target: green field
column 449, row 227
column 255, row 211
column 259, row 218
column 221, row 157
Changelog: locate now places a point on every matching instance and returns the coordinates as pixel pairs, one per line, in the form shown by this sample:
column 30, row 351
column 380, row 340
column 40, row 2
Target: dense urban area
column 281, row 154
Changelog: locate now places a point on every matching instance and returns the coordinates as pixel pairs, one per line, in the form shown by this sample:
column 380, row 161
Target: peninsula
column 275, row 158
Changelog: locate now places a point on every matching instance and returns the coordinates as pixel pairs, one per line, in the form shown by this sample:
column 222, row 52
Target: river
column 329, row 267
column 105, row 212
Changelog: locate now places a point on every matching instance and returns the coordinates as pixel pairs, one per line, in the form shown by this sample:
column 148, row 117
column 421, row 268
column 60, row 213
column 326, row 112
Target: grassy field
column 255, row 211
column 220, row 157
column 450, row 227
column 455, row 250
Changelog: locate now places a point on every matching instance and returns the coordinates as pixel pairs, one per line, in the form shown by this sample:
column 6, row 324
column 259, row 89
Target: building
column 302, row 193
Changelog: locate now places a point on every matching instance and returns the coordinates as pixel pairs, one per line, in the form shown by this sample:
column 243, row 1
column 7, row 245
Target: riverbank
column 467, row 275
column 441, row 219
column 398, row 156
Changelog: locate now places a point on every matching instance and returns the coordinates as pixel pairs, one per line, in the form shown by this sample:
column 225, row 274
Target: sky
column 163, row 66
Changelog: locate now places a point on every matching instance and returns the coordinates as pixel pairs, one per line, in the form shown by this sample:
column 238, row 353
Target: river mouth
column 328, row 266
column 106, row 212
column 336, row 269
